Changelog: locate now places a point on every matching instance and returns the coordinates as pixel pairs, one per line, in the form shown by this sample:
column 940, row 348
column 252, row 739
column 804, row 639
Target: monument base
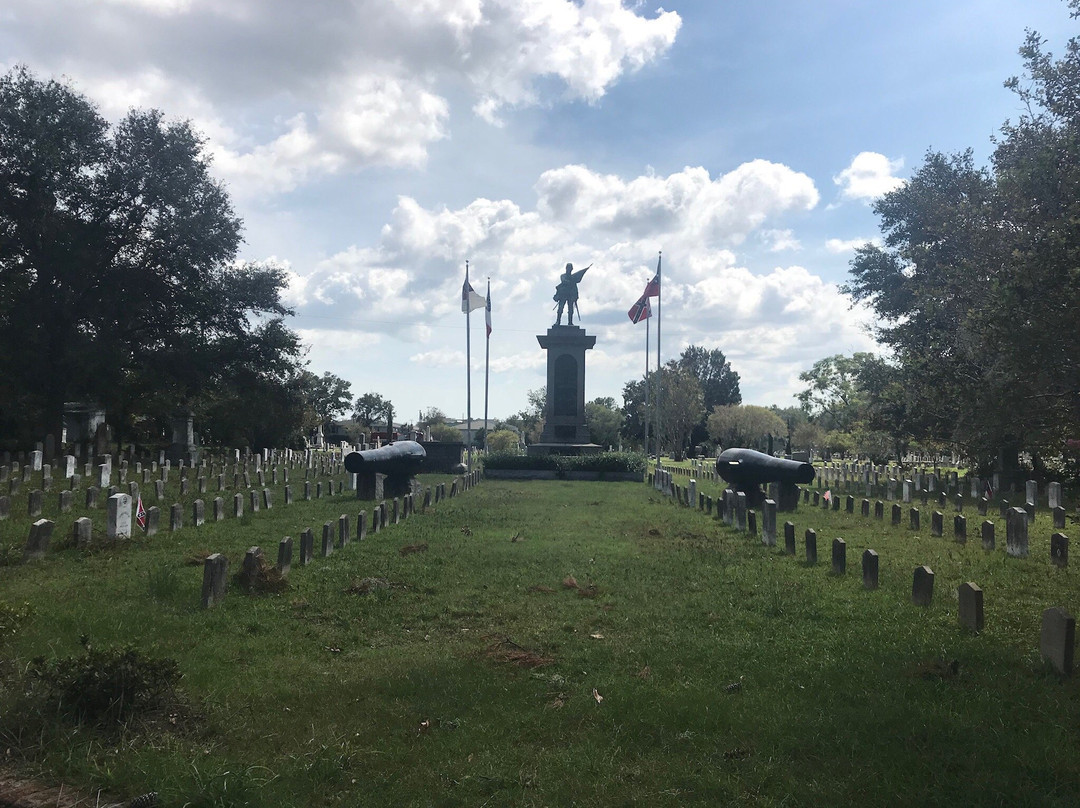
column 541, row 449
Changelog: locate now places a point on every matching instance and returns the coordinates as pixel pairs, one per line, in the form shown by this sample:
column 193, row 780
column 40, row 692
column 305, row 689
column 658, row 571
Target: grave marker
column 284, row 555
column 922, row 586
column 1059, row 550
column 870, row 569
column 811, row 546
column 839, row 557
column 118, row 524
column 970, row 599
column 37, row 543
column 82, row 532
column 1016, row 533
column 1057, row 639
column 215, row 579
column 789, row 538
column 988, row 535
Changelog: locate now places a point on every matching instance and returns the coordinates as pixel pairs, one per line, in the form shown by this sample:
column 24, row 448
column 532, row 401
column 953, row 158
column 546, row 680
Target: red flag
column 140, row 514
column 652, row 288
column 827, row 496
column 487, row 312
column 641, row 310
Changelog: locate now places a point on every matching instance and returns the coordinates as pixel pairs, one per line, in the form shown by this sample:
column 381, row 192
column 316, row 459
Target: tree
column 719, row 383
column 502, row 440
column 833, row 396
column 326, row 396
column 444, row 433
column 682, row 405
column 530, row 421
column 117, row 266
column 604, row 421
column 745, row 426
column 371, row 410
column 976, row 283
column 430, row 417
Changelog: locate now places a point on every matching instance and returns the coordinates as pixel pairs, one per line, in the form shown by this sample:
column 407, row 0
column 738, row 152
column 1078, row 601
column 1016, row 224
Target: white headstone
column 69, row 466
column 36, row 460
column 119, row 522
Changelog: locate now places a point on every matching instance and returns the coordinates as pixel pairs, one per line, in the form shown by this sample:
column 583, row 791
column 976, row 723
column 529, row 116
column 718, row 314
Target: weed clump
column 109, row 686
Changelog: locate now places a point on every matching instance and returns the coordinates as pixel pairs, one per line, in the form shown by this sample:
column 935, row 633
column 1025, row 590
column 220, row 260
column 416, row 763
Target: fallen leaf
column 597, row 636
column 597, row 696
column 645, row 673
column 570, row 582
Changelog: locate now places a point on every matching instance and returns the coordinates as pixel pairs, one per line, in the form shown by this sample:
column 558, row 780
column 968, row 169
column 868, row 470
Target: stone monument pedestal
column 565, row 431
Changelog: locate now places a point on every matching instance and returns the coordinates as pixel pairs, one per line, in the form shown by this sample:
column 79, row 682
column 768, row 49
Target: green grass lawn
column 688, row 665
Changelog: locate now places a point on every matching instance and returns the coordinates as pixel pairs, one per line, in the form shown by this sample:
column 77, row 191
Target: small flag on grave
column 140, row 514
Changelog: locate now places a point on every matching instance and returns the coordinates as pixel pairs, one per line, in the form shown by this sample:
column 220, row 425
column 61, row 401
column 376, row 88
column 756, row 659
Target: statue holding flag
column 566, row 292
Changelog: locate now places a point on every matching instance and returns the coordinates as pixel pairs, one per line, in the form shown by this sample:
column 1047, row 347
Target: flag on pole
column 827, row 496
column 487, row 310
column 642, row 310
column 988, row 491
column 140, row 514
column 652, row 288
column 471, row 300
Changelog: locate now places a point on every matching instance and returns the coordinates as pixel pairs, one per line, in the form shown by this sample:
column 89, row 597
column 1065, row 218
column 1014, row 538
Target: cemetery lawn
column 556, row 643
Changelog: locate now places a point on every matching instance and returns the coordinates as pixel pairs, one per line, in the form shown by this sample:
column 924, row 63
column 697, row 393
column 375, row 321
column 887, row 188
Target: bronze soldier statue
column 566, row 292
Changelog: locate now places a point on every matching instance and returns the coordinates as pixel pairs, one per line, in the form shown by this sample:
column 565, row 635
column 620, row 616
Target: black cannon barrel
column 747, row 467
column 402, row 458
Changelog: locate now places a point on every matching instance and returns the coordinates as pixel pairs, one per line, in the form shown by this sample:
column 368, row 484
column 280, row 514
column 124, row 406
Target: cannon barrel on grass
column 386, row 471
column 746, row 470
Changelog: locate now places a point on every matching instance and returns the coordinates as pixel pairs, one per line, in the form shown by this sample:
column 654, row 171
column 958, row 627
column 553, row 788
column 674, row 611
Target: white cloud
column 780, row 240
column 836, row 245
column 349, row 85
column 869, row 176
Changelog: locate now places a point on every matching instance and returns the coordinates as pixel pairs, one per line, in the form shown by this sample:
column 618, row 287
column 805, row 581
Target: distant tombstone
column 960, row 528
column 1059, row 550
column 897, row 514
column 361, row 526
column 215, row 579
column 1016, row 533
column 307, row 547
column 184, row 487
column 817, row 496
column 104, row 475
column 318, row 490
column 35, row 502
column 751, row 522
column 176, row 517
column 327, row 539
column 65, row 502
column 870, row 569
column 307, row 490
column 284, row 555
column 198, row 513
column 343, row 530
column 937, row 523
column 890, row 489
column 970, row 599
column 789, row 538
column 82, row 531
column 922, row 586
column 879, row 509
column 988, row 535
column 1029, row 509
column 839, row 557
column 1059, row 517
column 768, row 523
column 908, row 487
column 1031, row 491
column 219, row 509
column 36, row 459
column 811, row 546
column 267, row 499
column 836, row 503
column 913, row 519
column 118, row 523
column 864, row 507
column 740, row 510
column 1057, row 639
column 1053, row 495
column 159, row 490
column 958, row 503
column 153, row 519
column 849, row 504
column 984, row 506
column 253, row 501
column 37, row 543
column 238, row 505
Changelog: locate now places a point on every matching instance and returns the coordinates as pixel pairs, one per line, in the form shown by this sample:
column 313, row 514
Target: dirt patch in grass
column 409, row 549
column 540, row 589
column 365, row 586
column 503, row 649
column 261, row 578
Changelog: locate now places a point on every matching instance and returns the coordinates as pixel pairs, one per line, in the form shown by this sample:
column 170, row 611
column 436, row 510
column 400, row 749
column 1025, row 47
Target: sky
column 372, row 147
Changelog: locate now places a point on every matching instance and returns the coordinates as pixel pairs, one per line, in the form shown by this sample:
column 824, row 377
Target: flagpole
column 647, row 413
column 656, row 403
column 468, row 375
column 487, row 356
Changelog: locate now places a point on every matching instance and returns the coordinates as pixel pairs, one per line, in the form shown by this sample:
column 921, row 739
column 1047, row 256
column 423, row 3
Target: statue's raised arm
column 566, row 292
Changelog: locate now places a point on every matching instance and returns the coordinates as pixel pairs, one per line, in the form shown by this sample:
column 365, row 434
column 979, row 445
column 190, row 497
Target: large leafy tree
column 719, row 383
column 976, row 283
column 371, row 410
column 604, row 419
column 744, row 426
column 118, row 278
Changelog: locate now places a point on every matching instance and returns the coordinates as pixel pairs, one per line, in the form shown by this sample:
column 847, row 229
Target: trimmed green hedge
column 604, row 461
